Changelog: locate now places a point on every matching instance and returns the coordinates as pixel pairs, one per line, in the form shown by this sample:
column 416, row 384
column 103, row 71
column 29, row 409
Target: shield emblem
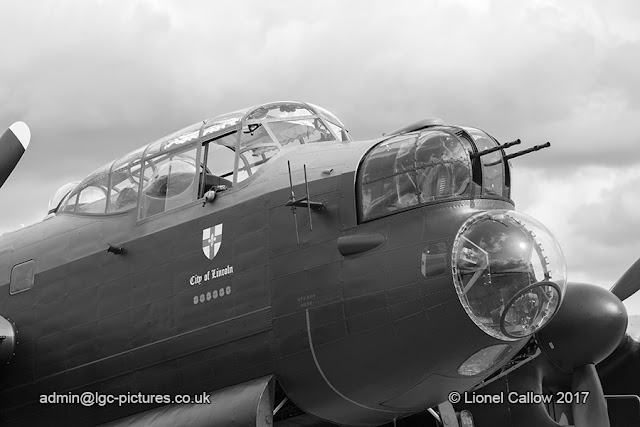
column 211, row 240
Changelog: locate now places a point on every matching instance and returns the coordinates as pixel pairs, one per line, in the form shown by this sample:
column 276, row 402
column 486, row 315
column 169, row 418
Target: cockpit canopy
column 180, row 167
column 54, row 201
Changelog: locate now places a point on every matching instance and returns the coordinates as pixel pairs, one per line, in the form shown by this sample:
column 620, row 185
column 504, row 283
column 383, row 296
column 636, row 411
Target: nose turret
column 509, row 273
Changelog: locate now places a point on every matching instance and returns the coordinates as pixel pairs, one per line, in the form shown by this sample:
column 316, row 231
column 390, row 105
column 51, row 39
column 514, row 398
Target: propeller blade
column 13, row 143
column 592, row 411
column 629, row 283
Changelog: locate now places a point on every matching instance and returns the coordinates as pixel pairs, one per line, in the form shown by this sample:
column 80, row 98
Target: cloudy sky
column 96, row 79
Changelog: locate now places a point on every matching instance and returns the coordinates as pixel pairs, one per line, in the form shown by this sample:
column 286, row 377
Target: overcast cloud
column 95, row 80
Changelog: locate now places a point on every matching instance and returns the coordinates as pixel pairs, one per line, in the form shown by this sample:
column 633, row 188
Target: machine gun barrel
column 494, row 149
column 528, row 150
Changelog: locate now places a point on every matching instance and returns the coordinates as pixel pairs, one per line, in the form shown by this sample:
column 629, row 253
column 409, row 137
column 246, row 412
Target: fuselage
column 344, row 314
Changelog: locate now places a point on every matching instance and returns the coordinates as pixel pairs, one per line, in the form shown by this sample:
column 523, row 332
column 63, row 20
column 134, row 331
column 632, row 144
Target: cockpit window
column 280, row 110
column 171, row 182
column 69, row 202
column 340, row 133
column 297, row 132
column 406, row 171
column 56, row 200
column 269, row 128
column 93, row 198
column 334, row 123
column 174, row 141
column 218, row 160
column 90, row 196
column 222, row 121
column 168, row 173
column 171, row 178
column 256, row 141
column 125, row 179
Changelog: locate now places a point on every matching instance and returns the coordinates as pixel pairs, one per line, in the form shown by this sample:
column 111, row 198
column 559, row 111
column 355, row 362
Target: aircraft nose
column 509, row 273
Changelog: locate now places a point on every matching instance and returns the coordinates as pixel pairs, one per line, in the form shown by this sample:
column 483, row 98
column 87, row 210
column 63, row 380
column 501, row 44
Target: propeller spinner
column 13, row 143
column 588, row 326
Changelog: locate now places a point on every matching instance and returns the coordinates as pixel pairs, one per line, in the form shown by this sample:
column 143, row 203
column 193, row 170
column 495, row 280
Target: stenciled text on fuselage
column 215, row 273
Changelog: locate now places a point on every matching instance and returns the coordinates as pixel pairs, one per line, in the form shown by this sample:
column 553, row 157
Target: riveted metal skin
column 246, row 404
column 361, row 339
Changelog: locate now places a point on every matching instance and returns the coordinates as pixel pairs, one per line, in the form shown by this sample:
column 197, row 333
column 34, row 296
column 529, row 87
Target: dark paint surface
column 358, row 339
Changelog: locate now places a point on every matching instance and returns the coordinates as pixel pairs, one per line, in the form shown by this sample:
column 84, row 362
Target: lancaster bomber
column 262, row 267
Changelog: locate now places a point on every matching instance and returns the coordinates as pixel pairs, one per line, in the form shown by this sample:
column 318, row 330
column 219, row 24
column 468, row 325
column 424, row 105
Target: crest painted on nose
column 211, row 241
